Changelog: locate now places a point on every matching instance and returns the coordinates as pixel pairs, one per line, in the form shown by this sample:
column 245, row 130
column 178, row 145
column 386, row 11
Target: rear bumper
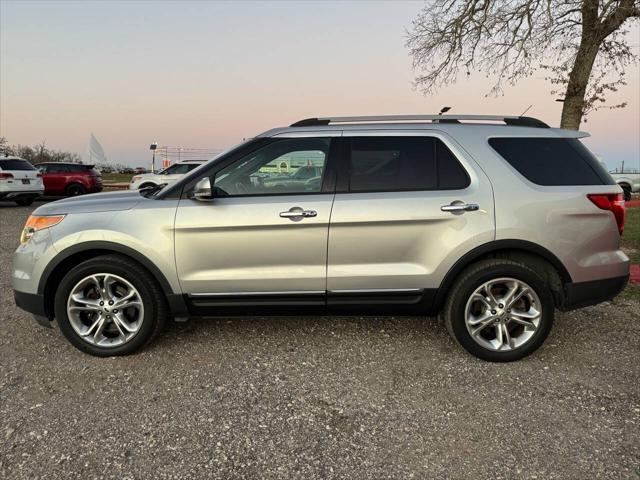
column 584, row 294
column 21, row 194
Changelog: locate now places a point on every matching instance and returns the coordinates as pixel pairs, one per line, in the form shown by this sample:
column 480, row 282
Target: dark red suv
column 69, row 179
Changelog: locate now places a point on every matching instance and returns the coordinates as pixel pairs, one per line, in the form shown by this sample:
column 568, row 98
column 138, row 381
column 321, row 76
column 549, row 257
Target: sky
column 203, row 74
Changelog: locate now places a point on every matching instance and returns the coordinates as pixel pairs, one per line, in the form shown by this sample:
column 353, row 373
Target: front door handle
column 460, row 207
column 297, row 213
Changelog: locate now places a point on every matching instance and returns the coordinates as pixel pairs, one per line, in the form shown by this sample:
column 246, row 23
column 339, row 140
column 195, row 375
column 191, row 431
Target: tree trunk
column 577, row 86
column 579, row 77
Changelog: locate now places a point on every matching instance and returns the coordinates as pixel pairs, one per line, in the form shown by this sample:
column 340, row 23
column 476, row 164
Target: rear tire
column 498, row 326
column 25, row 202
column 74, row 189
column 121, row 332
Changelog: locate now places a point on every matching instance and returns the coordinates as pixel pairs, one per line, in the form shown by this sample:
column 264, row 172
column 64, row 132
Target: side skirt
column 333, row 302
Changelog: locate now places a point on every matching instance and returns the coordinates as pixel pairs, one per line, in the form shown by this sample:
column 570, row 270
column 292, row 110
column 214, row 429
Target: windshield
column 15, row 164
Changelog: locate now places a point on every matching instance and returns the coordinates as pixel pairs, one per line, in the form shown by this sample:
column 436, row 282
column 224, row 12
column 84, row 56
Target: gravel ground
column 317, row 397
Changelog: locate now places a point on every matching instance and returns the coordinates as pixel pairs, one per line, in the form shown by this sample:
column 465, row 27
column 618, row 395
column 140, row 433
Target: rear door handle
column 460, row 207
column 298, row 213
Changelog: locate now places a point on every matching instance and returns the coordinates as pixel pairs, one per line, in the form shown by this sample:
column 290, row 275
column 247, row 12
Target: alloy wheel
column 503, row 314
column 105, row 310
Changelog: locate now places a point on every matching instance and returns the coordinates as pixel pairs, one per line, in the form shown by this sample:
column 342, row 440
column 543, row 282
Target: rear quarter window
column 552, row 161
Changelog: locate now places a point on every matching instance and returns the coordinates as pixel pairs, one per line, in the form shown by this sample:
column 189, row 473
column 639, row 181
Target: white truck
column 630, row 183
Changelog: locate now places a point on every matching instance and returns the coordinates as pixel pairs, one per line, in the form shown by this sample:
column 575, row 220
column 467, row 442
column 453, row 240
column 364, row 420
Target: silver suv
column 492, row 222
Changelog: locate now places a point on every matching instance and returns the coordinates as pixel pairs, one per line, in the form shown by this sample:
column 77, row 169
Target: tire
column 147, row 185
column 150, row 316
column 74, row 189
column 499, row 274
column 626, row 191
column 25, row 202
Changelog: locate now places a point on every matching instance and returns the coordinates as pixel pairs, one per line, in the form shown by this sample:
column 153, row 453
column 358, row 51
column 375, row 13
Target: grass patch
column 116, row 177
column 631, row 246
column 632, row 292
column 631, row 236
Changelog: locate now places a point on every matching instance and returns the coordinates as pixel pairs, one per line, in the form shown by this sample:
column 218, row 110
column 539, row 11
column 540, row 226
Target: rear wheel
column 74, row 190
column 109, row 305
column 25, row 201
column 626, row 191
column 499, row 310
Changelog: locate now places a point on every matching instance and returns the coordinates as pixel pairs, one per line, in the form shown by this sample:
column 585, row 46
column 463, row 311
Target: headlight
column 35, row 223
column 135, row 178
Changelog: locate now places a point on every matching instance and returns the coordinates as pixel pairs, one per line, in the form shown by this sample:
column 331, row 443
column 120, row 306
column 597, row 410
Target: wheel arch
column 506, row 249
column 63, row 261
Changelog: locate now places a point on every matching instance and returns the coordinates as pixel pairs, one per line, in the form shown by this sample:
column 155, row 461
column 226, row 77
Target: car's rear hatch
column 17, row 175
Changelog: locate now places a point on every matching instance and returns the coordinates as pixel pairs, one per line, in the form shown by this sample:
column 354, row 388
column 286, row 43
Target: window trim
column 346, row 170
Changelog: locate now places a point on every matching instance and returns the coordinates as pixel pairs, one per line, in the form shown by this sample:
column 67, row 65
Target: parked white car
column 630, row 183
column 168, row 175
column 20, row 181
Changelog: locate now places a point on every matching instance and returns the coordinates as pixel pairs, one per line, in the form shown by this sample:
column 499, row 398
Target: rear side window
column 77, row 168
column 403, row 164
column 552, row 161
column 15, row 164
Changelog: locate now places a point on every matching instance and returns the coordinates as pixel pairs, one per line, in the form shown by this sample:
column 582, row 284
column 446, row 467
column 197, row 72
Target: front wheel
column 626, row 191
column 499, row 310
column 25, row 201
column 109, row 305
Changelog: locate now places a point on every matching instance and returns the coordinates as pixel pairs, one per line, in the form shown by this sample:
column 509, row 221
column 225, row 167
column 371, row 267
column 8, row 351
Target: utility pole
column 153, row 147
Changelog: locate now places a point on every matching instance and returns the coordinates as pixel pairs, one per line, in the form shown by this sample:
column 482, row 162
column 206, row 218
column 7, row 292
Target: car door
column 256, row 240
column 55, row 179
column 408, row 205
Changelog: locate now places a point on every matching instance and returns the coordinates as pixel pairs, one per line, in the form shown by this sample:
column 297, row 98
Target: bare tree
column 581, row 45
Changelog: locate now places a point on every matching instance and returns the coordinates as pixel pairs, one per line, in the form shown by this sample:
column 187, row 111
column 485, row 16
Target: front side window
column 177, row 169
column 286, row 166
column 403, row 164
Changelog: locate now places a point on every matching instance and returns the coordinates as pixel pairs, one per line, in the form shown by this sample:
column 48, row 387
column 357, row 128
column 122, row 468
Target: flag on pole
column 95, row 153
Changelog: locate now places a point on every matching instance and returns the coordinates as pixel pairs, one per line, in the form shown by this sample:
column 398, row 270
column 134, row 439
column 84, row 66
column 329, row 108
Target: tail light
column 39, row 175
column 614, row 202
column 4, row 176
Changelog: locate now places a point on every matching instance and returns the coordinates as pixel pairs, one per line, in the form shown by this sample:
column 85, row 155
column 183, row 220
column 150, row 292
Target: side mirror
column 202, row 190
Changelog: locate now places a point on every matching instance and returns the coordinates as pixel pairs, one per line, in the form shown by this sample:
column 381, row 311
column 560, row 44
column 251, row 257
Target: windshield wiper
column 150, row 191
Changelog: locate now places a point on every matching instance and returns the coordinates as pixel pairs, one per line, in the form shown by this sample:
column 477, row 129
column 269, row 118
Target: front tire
column 499, row 310
column 109, row 306
column 626, row 191
column 25, row 202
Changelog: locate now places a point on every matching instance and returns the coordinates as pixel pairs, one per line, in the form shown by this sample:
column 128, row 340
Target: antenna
column 522, row 114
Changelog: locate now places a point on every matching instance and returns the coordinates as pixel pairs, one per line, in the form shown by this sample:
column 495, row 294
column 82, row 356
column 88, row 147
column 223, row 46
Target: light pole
column 153, row 147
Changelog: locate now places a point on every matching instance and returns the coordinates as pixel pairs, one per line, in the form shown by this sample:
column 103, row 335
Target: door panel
column 400, row 241
column 265, row 233
column 242, row 244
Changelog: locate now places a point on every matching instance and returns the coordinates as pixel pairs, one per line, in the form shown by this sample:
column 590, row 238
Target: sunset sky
column 207, row 74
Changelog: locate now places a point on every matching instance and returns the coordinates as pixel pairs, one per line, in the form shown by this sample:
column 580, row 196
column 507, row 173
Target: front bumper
column 34, row 304
column 584, row 294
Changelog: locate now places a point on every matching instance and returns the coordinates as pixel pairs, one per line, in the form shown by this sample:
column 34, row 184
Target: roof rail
column 508, row 120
